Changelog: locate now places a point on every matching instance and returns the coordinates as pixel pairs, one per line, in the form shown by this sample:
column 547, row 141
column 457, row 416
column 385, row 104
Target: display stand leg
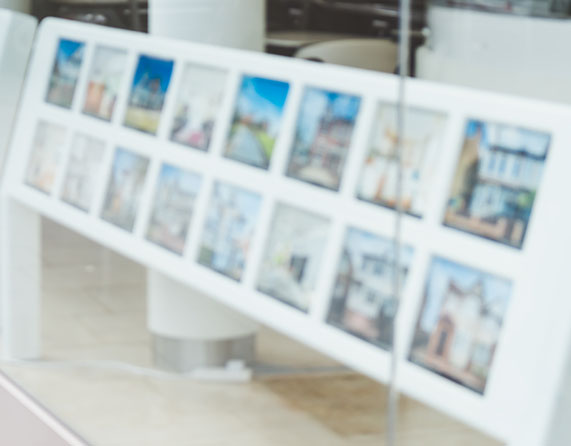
column 192, row 331
column 20, row 281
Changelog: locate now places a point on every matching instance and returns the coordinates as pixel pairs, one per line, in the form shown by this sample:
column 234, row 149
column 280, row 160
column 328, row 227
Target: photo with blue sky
column 148, row 91
column 65, row 72
column 257, row 120
column 323, row 137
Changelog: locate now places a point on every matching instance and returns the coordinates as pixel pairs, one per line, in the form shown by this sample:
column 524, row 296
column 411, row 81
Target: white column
column 190, row 329
column 20, row 281
column 230, row 23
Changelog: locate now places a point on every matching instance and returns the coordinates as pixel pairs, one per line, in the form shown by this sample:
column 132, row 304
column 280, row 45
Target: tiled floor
column 94, row 309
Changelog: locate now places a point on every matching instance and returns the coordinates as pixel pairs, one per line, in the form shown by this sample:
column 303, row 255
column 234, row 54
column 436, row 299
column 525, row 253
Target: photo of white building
column 421, row 146
column 83, row 171
column 228, row 230
column 293, row 256
column 199, row 99
column 46, row 155
column 460, row 323
column 173, row 207
column 497, row 178
column 363, row 301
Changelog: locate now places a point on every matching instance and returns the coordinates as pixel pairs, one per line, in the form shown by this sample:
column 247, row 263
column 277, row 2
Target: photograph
column 45, row 156
column 84, row 171
column 229, row 229
column 104, row 81
column 496, row 181
column 323, row 137
column 293, row 255
column 257, row 120
column 65, row 73
column 421, row 145
column 148, row 91
column 199, row 99
column 173, row 207
column 363, row 302
column 124, row 189
column 460, row 323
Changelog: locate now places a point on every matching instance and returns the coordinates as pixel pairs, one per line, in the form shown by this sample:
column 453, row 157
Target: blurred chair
column 369, row 54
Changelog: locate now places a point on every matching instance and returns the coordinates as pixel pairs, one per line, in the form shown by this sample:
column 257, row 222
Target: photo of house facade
column 149, row 88
column 496, row 181
column 45, row 156
column 199, row 99
column 363, row 301
column 63, row 80
column 228, row 230
column 460, row 323
column 126, row 182
column 173, row 207
column 421, row 145
column 323, row 137
column 293, row 255
column 84, row 170
column 257, row 120
column 104, row 81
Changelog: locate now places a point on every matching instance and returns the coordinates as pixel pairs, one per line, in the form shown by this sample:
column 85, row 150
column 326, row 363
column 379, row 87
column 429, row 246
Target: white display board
column 268, row 183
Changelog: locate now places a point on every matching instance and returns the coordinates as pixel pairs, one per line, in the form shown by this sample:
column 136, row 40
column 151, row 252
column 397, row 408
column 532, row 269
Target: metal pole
column 401, row 109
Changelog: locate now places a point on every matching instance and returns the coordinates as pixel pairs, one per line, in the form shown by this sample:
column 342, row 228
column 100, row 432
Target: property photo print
column 148, row 91
column 228, row 231
column 173, row 207
column 104, row 81
column 257, row 120
column 124, row 189
column 421, row 145
column 199, row 99
column 84, row 170
column 65, row 73
column 323, row 137
column 363, row 301
column 293, row 256
column 45, row 156
column 496, row 181
column 460, row 323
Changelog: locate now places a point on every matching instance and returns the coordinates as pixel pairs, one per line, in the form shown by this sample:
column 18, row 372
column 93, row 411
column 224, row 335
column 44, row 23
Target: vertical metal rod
column 403, row 60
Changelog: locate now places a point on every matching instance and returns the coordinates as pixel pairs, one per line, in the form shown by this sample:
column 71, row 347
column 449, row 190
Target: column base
column 186, row 355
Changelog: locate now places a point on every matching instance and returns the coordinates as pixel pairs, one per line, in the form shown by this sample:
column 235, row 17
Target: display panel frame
column 499, row 410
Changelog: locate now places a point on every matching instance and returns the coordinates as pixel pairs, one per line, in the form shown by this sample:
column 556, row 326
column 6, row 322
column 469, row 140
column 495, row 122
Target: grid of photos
column 421, row 145
column 257, row 120
column 363, row 301
column 83, row 171
column 104, row 81
column 323, row 137
column 124, row 189
column 496, row 181
column 293, row 255
column 492, row 195
column 175, row 198
column 148, row 91
column 65, row 73
column 45, row 156
column 229, row 230
column 460, row 323
column 200, row 97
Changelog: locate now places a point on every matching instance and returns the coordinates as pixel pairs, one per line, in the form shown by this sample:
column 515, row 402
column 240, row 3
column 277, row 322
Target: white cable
column 199, row 374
